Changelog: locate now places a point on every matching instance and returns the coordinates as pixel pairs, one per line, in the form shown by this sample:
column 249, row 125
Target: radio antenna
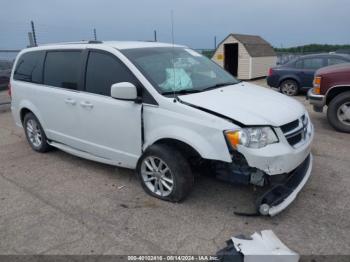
column 173, row 51
column 172, row 26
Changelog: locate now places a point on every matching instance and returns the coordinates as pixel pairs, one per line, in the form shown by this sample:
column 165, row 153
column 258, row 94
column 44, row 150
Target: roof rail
column 75, row 43
column 95, row 42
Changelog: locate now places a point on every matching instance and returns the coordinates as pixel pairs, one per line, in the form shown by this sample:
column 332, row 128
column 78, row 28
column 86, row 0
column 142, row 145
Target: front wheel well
column 336, row 91
column 187, row 150
column 23, row 112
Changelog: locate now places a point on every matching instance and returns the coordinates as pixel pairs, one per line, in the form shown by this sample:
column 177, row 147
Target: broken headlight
column 252, row 137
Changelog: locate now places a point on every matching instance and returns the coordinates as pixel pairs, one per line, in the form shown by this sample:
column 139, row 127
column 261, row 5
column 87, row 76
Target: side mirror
column 124, row 91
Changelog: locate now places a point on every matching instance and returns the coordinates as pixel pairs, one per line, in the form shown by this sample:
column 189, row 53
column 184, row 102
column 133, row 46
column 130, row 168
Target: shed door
column 231, row 58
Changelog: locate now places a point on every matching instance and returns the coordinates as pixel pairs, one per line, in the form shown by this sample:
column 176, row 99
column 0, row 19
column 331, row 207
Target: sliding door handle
column 70, row 101
column 87, row 104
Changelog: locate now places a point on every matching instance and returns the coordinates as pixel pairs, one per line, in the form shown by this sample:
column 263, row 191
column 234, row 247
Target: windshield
column 178, row 70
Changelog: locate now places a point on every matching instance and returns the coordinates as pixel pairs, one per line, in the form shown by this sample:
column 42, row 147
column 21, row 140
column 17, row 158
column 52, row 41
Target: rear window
column 5, row 65
column 62, row 69
column 29, row 67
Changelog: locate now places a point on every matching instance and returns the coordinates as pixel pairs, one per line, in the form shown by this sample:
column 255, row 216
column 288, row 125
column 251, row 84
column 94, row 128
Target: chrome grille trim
column 297, row 135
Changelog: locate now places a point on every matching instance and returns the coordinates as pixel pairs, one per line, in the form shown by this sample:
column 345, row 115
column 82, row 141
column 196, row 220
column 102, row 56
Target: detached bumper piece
column 281, row 195
column 264, row 246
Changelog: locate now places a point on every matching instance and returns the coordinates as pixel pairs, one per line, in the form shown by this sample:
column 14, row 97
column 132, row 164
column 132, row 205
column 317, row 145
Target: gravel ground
column 56, row 203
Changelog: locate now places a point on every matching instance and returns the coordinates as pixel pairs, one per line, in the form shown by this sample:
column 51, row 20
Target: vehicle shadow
column 208, row 192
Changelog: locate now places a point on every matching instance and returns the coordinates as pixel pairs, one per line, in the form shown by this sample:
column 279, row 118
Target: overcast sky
column 281, row 22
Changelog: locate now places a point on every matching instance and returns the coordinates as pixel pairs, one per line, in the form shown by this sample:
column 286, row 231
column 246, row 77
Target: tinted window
column 335, row 61
column 4, row 65
column 62, row 69
column 299, row 64
column 29, row 67
column 103, row 70
column 313, row 63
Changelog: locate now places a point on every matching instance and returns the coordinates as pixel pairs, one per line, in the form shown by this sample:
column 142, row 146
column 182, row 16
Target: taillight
column 270, row 72
column 9, row 91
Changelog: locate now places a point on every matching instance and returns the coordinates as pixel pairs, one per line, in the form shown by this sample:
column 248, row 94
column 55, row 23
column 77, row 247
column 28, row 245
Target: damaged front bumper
column 280, row 190
column 281, row 195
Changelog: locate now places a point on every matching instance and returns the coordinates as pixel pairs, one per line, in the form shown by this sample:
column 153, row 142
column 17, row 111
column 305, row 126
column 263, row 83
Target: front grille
column 290, row 126
column 295, row 131
column 294, row 139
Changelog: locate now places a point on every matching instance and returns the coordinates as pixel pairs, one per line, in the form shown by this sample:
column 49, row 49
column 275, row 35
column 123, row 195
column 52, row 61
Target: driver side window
column 103, row 70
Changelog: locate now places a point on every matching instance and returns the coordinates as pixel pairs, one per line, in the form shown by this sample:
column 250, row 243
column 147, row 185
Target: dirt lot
column 56, row 203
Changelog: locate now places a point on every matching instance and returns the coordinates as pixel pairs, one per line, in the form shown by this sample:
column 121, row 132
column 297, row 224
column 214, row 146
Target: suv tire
column 35, row 134
column 289, row 87
column 165, row 173
column 336, row 113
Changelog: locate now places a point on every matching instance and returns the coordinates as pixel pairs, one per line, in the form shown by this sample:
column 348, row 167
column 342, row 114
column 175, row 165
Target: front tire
column 338, row 112
column 289, row 87
column 165, row 174
column 35, row 133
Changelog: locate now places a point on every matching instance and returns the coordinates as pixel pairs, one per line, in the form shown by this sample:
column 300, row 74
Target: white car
column 161, row 109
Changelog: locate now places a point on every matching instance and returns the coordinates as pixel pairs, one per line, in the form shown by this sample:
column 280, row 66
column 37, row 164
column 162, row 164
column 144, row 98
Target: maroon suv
column 332, row 89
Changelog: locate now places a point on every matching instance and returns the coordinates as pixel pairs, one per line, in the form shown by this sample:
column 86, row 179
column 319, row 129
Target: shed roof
column 256, row 46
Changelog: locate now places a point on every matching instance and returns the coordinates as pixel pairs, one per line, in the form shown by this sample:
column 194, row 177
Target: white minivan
column 162, row 109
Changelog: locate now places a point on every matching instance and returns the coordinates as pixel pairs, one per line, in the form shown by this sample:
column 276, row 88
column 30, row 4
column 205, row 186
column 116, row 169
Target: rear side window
column 299, row 64
column 103, row 70
column 313, row 63
column 62, row 69
column 335, row 61
column 29, row 67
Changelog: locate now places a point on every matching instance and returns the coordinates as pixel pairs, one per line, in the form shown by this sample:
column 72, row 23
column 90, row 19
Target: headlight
column 252, row 137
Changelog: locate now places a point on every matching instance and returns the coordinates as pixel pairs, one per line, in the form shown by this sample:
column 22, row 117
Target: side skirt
column 82, row 154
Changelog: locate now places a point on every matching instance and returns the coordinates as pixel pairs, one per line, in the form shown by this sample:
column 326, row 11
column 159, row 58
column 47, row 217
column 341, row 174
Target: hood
column 339, row 68
column 248, row 104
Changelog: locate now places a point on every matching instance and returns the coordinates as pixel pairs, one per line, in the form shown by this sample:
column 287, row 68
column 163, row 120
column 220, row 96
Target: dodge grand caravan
column 162, row 109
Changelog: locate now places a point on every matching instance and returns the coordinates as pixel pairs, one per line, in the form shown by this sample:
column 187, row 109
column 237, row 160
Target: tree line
column 314, row 48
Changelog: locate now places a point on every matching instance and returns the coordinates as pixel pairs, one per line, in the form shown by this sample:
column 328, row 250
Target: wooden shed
column 245, row 56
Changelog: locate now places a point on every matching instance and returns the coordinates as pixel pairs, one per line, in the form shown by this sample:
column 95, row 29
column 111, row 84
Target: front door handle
column 70, row 101
column 87, row 104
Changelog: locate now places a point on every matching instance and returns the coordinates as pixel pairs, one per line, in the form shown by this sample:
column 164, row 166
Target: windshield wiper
column 219, row 85
column 182, row 92
column 191, row 91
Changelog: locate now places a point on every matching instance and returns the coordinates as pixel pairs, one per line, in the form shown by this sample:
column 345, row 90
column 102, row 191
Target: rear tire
column 338, row 112
column 35, row 133
column 165, row 174
column 289, row 87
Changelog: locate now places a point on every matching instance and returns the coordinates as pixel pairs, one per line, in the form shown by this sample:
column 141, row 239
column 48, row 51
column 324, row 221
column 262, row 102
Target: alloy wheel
column 157, row 176
column 34, row 133
column 289, row 89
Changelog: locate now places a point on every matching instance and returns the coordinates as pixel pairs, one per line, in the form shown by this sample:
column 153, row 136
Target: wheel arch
column 27, row 107
column 183, row 147
column 289, row 77
column 23, row 112
column 191, row 141
column 335, row 91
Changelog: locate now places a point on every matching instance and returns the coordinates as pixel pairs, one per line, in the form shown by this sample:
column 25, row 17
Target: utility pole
column 95, row 34
column 214, row 42
column 33, row 32
column 31, row 40
column 155, row 35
